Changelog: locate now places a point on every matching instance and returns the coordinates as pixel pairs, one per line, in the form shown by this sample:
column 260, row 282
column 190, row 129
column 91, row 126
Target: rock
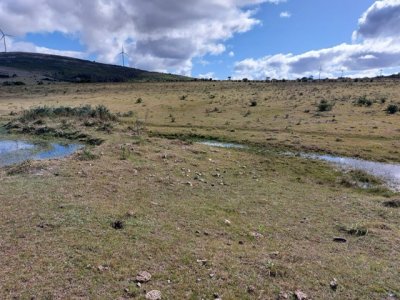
column 102, row 268
column 130, row 213
column 274, row 254
column 333, row 284
column 339, row 240
column 227, row 222
column 283, row 296
column 153, row 295
column 256, row 235
column 143, row 277
column 300, row 295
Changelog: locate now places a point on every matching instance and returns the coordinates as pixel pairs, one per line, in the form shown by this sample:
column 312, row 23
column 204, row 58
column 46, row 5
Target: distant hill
column 37, row 67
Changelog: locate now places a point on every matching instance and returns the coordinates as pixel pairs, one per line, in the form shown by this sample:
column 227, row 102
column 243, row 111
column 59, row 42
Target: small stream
column 18, row 151
column 388, row 172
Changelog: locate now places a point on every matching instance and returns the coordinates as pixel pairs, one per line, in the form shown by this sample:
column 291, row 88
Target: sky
column 252, row 39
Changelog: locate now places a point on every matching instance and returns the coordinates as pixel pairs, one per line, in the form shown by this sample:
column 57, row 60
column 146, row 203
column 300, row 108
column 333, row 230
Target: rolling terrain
column 36, row 68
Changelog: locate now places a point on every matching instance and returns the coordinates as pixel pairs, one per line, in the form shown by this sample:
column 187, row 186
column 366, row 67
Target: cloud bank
column 157, row 34
column 376, row 45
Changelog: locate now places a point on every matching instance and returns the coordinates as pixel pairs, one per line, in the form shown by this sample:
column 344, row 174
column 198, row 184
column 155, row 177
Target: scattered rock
column 333, row 284
column 300, row 295
column 283, row 296
column 216, row 296
column 339, row 240
column 202, row 261
column 153, row 295
column 256, row 235
column 118, row 225
column 130, row 213
column 102, row 268
column 143, row 277
column 227, row 222
column 274, row 254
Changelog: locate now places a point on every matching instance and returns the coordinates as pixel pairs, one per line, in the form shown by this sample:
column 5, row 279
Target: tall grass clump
column 99, row 112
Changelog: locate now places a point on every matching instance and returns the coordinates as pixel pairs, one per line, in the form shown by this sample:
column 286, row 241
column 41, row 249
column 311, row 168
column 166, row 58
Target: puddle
column 390, row 173
column 16, row 151
column 223, row 145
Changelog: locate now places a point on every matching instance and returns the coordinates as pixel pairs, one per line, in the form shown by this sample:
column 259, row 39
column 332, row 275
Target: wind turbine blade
column 2, row 32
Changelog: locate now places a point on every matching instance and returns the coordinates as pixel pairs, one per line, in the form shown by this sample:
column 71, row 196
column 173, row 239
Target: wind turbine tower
column 3, row 37
column 123, row 53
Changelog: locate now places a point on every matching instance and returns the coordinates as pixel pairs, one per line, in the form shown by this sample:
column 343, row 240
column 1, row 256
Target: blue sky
column 215, row 38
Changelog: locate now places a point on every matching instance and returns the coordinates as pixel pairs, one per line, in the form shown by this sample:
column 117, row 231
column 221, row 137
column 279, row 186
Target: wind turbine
column 3, row 37
column 123, row 53
column 319, row 74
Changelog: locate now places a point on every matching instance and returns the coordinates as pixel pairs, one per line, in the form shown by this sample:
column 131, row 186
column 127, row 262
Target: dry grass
column 174, row 197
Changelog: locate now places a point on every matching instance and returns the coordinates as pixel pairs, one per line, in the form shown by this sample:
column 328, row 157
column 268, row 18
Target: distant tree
column 245, row 79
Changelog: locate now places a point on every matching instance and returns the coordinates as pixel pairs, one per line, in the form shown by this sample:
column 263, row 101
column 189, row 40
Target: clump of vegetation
column 253, row 103
column 99, row 112
column 20, row 168
column 356, row 230
column 392, row 109
column 125, row 153
column 139, row 100
column 363, row 101
column 357, row 178
column 87, row 155
column 392, row 203
column 325, row 105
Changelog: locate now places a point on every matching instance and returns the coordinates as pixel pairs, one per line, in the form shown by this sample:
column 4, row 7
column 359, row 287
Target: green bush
column 392, row 109
column 324, row 105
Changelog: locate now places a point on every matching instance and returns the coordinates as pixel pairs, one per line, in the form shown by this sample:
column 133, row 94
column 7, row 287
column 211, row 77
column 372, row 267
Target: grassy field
column 205, row 222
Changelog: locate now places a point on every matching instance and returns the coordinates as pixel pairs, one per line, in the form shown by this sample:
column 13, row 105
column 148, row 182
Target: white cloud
column 157, row 34
column 231, row 54
column 285, row 14
column 207, row 76
column 377, row 47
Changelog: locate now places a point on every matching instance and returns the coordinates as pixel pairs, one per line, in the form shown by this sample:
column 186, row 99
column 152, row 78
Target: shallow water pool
column 18, row 151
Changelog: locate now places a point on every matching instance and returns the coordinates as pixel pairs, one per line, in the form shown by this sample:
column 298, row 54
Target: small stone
column 333, row 284
column 256, row 235
column 102, row 268
column 283, row 296
column 143, row 277
column 153, row 295
column 138, row 284
column 300, row 295
column 227, row 222
column 130, row 213
column 274, row 254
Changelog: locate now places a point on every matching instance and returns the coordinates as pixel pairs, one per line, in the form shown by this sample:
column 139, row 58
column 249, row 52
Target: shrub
column 253, row 103
column 392, row 109
column 363, row 101
column 99, row 112
column 325, row 106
